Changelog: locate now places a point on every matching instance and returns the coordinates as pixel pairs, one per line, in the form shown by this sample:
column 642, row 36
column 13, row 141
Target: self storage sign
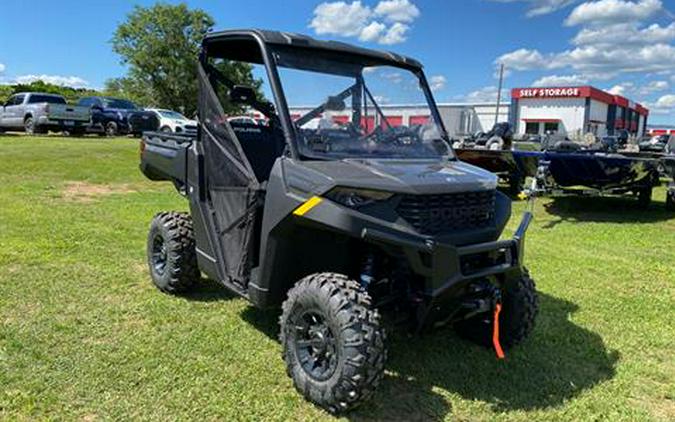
column 548, row 92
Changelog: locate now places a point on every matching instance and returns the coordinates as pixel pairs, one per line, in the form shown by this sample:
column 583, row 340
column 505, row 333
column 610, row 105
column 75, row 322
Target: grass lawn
column 84, row 334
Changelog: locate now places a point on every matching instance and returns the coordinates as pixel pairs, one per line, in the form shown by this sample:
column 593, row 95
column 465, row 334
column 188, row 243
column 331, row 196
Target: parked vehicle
column 173, row 122
column 36, row 112
column 656, row 143
column 512, row 166
column 598, row 173
column 335, row 225
column 499, row 152
column 669, row 166
column 114, row 116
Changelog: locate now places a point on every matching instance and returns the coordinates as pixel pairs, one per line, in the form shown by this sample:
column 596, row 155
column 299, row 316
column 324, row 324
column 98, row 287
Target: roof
column 300, row 40
column 37, row 93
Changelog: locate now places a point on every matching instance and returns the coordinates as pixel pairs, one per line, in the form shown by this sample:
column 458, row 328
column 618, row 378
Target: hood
column 412, row 176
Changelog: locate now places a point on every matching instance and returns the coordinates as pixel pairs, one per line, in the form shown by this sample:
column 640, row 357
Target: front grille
column 434, row 214
column 190, row 127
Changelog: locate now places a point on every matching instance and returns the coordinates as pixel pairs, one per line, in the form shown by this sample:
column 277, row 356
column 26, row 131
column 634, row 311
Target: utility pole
column 499, row 91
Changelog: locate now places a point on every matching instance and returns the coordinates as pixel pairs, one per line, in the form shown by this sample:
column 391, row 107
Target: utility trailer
column 335, row 225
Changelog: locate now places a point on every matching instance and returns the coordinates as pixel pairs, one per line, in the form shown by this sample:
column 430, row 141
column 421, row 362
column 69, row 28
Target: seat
column 262, row 146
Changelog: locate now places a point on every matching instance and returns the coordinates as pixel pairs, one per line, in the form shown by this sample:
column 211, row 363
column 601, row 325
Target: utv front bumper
column 445, row 267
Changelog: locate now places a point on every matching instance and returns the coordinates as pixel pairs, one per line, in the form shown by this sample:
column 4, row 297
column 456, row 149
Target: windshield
column 172, row 115
column 51, row 99
column 342, row 107
column 117, row 103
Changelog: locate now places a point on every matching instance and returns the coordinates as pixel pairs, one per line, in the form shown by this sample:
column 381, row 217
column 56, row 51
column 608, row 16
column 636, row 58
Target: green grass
column 84, row 335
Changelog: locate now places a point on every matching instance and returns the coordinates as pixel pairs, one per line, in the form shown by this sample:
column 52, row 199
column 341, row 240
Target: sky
column 624, row 46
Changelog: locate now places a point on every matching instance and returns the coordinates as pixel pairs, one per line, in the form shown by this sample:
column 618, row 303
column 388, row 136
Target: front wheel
column 333, row 344
column 520, row 305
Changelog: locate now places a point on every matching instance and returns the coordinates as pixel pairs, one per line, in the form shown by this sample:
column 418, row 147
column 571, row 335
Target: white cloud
column 595, row 60
column 372, row 32
column 666, row 101
column 523, row 59
column 393, row 77
column 437, row 82
column 664, row 105
column 340, row 18
column 72, row 81
column 358, row 20
column 622, row 88
column 2, row 68
column 562, row 80
column 613, row 11
column 626, row 33
column 397, row 10
column 395, row 34
column 542, row 7
column 654, row 86
column 486, row 94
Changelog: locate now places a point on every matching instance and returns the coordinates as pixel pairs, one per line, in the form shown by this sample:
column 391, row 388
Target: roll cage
column 259, row 46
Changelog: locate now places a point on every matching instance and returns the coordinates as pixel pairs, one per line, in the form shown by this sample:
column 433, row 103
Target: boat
column 668, row 163
column 598, row 173
column 512, row 166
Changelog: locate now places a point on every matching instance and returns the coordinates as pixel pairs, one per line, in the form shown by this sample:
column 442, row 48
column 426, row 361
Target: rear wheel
column 172, row 257
column 29, row 125
column 165, row 129
column 333, row 345
column 520, row 305
column 111, row 129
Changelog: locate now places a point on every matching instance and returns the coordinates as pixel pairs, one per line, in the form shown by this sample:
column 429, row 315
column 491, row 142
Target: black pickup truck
column 115, row 116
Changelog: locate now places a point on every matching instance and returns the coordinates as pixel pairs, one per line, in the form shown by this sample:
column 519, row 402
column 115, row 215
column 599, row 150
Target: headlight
column 355, row 198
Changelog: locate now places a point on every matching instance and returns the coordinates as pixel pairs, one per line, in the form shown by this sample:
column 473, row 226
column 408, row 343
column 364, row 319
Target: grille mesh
column 433, row 214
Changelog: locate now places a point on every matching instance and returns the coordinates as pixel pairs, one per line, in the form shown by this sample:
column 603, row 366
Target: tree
column 160, row 45
column 131, row 89
column 71, row 94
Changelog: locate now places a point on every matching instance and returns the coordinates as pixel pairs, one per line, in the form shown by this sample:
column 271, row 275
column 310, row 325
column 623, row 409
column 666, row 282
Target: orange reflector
column 495, row 333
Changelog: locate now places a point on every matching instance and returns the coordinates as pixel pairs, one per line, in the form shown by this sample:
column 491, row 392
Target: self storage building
column 575, row 111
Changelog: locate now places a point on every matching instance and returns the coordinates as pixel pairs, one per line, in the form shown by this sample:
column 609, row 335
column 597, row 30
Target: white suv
column 174, row 122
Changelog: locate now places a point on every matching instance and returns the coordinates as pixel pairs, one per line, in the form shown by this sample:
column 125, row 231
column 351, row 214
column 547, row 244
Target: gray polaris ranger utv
column 335, row 212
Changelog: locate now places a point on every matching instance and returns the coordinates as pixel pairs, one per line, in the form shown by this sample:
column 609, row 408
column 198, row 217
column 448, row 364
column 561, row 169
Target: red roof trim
column 621, row 101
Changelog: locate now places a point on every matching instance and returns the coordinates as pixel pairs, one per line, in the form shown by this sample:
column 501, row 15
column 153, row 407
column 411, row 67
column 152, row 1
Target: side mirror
column 242, row 94
column 335, row 104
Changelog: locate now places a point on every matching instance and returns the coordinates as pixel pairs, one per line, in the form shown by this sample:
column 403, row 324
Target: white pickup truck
column 35, row 112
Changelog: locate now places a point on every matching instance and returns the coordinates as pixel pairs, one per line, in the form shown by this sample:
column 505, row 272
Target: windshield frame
column 274, row 50
column 237, row 45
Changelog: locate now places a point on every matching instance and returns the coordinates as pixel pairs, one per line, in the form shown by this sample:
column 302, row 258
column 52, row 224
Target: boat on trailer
column 587, row 172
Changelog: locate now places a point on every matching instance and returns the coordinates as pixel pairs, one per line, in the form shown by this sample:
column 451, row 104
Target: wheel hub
column 159, row 254
column 315, row 346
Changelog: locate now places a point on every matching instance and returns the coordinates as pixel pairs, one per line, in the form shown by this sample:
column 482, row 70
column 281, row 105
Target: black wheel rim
column 158, row 255
column 315, row 345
